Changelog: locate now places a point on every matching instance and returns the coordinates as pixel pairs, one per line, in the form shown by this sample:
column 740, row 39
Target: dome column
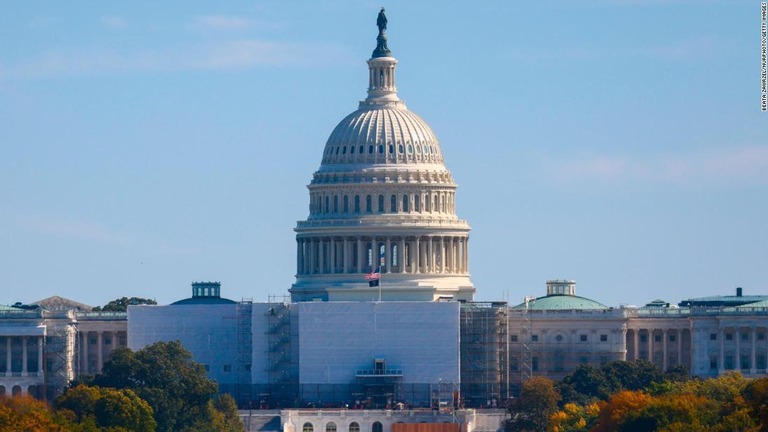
column 345, row 255
column 388, row 255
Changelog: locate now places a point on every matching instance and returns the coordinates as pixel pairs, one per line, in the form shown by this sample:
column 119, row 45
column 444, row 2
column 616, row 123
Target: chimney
column 738, row 292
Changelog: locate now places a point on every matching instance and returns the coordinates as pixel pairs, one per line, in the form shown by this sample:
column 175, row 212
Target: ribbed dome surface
column 382, row 134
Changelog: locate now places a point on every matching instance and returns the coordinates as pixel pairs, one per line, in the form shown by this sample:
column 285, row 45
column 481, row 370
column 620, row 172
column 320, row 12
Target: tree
column 108, row 408
column 584, row 385
column 23, row 413
column 533, row 409
column 176, row 387
column 121, row 304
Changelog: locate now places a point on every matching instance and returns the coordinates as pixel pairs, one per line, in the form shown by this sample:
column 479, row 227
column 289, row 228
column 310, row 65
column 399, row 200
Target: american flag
column 374, row 275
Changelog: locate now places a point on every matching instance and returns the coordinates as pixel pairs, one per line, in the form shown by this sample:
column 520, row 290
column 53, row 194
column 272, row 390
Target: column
column 442, row 254
column 664, row 349
column 650, row 344
column 401, row 255
column 359, row 254
column 624, row 344
column 432, row 256
column 636, row 344
column 40, row 355
column 332, row 256
column 8, row 354
column 680, row 347
column 345, row 255
column 298, row 256
column 737, row 335
column 417, row 256
column 752, row 354
column 321, row 256
column 388, row 255
column 721, row 360
column 24, row 355
column 99, row 354
column 85, row 352
column 466, row 255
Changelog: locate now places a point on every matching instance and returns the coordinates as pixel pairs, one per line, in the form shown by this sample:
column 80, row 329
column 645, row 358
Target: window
column 535, row 363
column 559, row 338
column 713, row 336
column 405, row 203
column 672, row 338
column 327, row 204
column 583, row 338
column 370, row 149
column 643, row 338
column 227, row 368
column 729, row 336
column 346, row 204
column 381, row 203
column 603, row 360
column 335, row 203
column 416, row 202
column 534, row 338
column 603, row 338
column 352, row 150
column 391, row 149
column 377, row 427
column 307, row 427
column 381, row 149
column 361, row 149
column 393, row 204
column 761, row 336
column 357, row 203
column 513, row 338
column 657, row 338
column 513, row 364
column 330, row 427
column 354, row 427
column 107, row 341
column 368, row 204
column 745, row 336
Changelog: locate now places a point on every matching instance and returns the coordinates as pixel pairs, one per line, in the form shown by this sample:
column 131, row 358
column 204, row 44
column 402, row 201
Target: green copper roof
column 563, row 302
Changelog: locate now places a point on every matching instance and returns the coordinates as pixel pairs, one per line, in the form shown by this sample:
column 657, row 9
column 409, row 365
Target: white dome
column 383, row 134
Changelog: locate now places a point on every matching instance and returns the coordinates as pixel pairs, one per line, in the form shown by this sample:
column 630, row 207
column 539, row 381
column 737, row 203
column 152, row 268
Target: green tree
column 584, row 385
column 108, row 408
column 121, row 304
column 533, row 409
column 175, row 386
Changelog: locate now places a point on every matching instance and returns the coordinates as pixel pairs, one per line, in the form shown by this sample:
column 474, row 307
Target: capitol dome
column 382, row 203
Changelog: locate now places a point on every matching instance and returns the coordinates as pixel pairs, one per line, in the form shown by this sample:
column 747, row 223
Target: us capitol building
column 382, row 312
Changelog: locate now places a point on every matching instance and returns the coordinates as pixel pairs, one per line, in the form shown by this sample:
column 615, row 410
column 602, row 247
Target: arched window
column 354, row 427
column 335, row 203
column 16, row 390
column 381, row 149
column 377, row 427
column 327, row 204
column 346, row 204
column 400, row 149
column 330, row 427
column 357, row 203
column 351, row 149
column 417, row 203
column 344, row 150
column 405, row 203
column 2, row 391
column 370, row 149
column 307, row 427
column 381, row 203
column 361, row 149
column 368, row 204
column 393, row 204
column 391, row 149
column 426, row 204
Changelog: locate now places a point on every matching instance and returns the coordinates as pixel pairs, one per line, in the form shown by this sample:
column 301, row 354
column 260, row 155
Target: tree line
column 158, row 388
column 635, row 396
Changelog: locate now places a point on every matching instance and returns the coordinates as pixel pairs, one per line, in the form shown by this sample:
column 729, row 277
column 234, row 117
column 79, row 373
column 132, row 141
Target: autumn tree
column 176, row 387
column 107, row 408
column 24, row 413
column 533, row 409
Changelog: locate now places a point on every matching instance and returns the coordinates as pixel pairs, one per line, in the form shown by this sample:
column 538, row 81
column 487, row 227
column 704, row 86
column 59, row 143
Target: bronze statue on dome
column 381, row 21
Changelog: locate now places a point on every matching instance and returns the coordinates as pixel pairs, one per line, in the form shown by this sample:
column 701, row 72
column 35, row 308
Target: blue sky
column 146, row 145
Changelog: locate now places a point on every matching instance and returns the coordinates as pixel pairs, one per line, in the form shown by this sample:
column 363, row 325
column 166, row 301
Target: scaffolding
column 244, row 394
column 60, row 343
column 484, row 354
column 526, row 354
column 280, row 389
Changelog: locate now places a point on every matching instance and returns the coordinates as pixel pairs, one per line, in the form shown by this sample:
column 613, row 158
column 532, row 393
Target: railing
column 102, row 316
column 379, row 372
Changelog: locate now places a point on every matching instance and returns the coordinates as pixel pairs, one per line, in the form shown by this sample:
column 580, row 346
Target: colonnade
column 651, row 349
column 93, row 362
column 397, row 254
column 732, row 347
column 22, row 357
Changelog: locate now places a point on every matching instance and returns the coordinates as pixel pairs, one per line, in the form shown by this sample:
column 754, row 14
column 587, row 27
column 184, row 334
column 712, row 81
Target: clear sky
column 146, row 145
